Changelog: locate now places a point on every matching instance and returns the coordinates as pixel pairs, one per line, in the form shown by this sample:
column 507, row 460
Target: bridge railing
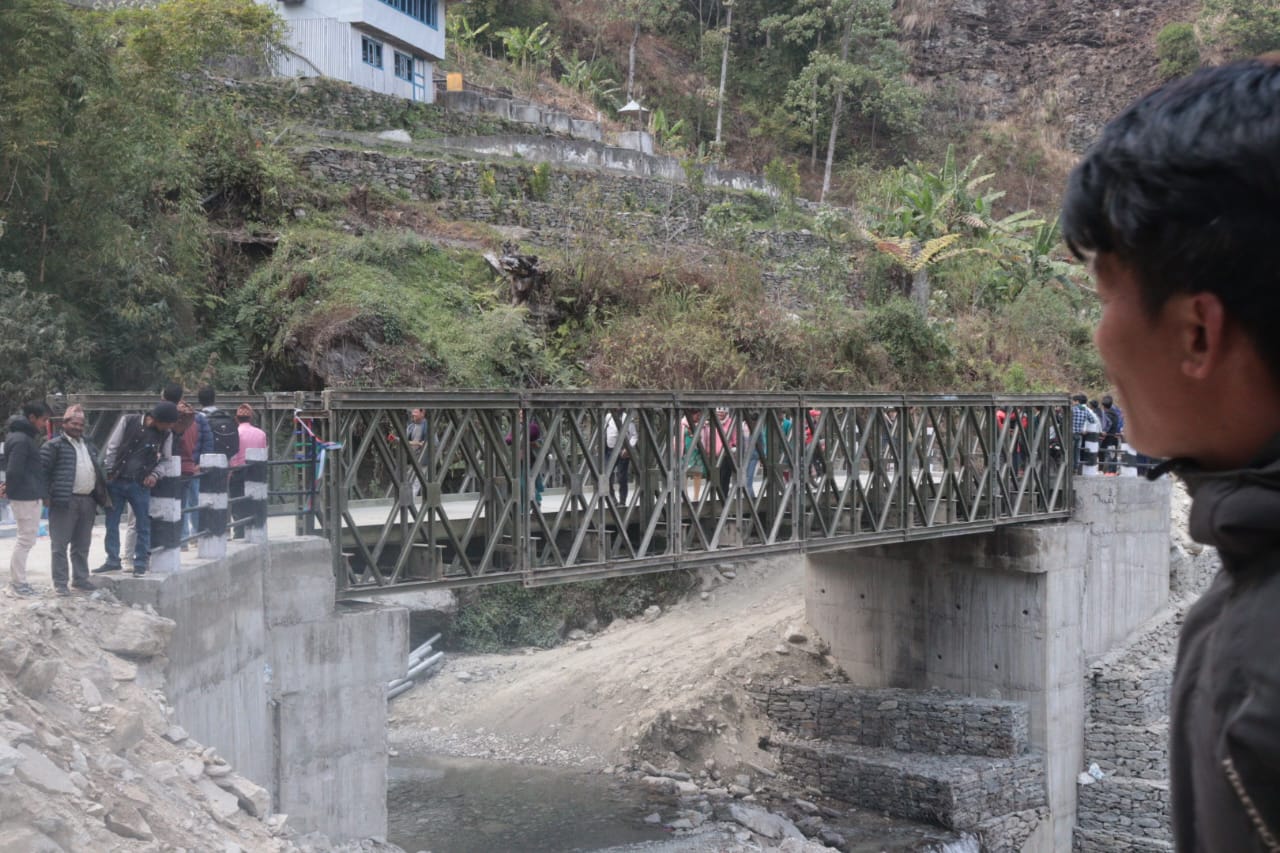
column 484, row 500
column 527, row 487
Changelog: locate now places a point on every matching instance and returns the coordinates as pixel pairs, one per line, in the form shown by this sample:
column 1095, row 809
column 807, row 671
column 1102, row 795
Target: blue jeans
column 190, row 515
column 752, row 463
column 138, row 497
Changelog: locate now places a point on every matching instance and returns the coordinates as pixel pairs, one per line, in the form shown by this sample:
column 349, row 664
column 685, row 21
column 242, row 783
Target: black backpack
column 226, row 432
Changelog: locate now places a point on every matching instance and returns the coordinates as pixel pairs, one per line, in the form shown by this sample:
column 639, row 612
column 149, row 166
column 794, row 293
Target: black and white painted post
column 1089, row 454
column 1129, row 461
column 254, row 505
column 166, row 517
column 213, row 506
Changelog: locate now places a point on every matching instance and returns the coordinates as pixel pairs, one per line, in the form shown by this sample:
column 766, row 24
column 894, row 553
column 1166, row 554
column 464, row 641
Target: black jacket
column 58, row 458
column 23, row 473
column 1224, row 753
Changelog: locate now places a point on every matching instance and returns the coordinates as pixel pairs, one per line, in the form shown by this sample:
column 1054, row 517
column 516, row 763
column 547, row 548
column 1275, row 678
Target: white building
column 389, row 46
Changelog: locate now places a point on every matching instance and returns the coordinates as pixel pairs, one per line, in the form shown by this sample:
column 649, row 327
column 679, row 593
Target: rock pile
column 91, row 757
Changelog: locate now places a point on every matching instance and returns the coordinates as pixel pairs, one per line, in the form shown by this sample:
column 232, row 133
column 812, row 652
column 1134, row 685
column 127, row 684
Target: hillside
column 261, row 234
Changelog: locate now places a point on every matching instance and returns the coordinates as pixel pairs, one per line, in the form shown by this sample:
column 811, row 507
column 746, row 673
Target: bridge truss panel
column 715, row 477
column 482, row 499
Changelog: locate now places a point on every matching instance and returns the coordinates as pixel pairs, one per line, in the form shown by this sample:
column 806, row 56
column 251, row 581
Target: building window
column 404, row 66
column 371, row 51
column 427, row 11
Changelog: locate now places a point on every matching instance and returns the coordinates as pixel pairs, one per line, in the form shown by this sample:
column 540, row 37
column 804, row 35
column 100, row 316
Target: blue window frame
column 404, row 66
column 427, row 11
column 371, row 51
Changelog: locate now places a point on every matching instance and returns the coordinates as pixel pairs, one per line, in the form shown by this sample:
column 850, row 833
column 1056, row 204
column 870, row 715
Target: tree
column 1243, row 27
column 864, row 70
column 103, row 196
column 931, row 217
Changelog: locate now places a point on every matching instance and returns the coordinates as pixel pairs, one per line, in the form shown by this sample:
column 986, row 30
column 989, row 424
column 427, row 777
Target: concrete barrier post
column 1129, row 461
column 166, row 517
column 255, row 494
column 1089, row 455
column 213, row 506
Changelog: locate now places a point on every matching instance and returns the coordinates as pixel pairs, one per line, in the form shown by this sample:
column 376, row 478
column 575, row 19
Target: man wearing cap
column 133, row 460
column 250, row 438
column 76, row 481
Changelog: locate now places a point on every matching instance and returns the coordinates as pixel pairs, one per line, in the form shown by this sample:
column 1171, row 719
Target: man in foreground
column 1177, row 205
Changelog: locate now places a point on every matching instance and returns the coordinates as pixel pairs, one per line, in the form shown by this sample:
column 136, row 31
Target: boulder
column 763, row 823
column 126, row 821
column 37, row 678
column 253, row 798
column 13, row 656
column 38, row 771
column 137, row 634
column 222, row 804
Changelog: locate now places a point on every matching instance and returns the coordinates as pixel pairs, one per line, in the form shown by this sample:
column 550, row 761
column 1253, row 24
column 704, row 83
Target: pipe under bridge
column 712, row 476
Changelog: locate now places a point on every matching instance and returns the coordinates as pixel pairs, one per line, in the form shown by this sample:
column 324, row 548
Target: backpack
column 226, row 432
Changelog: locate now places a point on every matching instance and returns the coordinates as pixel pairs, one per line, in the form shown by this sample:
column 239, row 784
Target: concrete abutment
column 1013, row 614
column 286, row 683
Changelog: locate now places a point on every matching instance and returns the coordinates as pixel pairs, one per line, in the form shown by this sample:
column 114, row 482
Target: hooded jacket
column 1224, row 751
column 24, row 475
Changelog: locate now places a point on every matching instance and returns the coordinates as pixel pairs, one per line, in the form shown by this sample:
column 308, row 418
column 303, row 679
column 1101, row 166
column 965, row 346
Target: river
column 463, row 805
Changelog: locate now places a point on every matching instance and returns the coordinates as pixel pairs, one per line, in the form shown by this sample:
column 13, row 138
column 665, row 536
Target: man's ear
column 1203, row 330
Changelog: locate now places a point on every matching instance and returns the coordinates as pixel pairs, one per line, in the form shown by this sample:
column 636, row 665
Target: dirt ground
column 665, row 688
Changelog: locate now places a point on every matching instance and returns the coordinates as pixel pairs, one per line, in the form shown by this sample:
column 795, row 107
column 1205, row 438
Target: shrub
column 1177, row 50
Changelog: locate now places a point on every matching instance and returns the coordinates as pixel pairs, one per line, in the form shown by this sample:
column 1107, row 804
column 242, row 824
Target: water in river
column 462, row 805
column 459, row 805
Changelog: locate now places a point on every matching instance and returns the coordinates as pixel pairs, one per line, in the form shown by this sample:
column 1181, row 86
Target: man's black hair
column 1107, row 402
column 1183, row 188
column 172, row 392
column 1078, row 398
column 206, row 395
column 34, row 409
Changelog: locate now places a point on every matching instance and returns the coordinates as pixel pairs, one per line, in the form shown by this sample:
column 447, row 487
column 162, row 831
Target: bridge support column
column 1011, row 614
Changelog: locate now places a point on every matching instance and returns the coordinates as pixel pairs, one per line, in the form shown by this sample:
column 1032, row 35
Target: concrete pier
column 289, row 686
column 1012, row 614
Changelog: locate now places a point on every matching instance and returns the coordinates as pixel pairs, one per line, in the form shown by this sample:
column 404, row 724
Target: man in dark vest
column 133, row 462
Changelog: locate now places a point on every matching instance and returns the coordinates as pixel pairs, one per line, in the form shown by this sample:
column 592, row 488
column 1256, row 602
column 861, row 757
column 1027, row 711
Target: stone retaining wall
column 909, row 721
column 958, row 792
column 1101, row 841
column 1133, row 807
column 1140, row 752
column 1128, row 697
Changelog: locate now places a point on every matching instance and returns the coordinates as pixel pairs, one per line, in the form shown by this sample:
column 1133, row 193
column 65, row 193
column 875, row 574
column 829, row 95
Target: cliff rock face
column 1071, row 64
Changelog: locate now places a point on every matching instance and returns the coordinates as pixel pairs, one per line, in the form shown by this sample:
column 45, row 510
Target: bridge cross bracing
column 712, row 477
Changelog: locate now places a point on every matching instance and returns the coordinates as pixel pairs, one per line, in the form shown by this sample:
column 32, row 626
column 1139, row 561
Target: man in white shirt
column 74, row 474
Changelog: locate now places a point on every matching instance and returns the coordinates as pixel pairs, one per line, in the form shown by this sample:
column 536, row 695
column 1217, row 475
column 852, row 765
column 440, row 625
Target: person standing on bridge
column 1176, row 209
column 77, row 482
column 132, row 460
column 25, row 485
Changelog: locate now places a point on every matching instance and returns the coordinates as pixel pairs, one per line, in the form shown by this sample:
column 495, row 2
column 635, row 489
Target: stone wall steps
column 954, row 791
column 1101, row 841
column 1125, row 806
column 935, row 722
column 1139, row 752
column 1130, row 697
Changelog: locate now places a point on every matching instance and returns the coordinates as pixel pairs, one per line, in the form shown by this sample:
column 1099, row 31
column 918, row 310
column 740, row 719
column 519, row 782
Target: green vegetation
column 499, row 617
column 1177, row 50
column 1242, row 28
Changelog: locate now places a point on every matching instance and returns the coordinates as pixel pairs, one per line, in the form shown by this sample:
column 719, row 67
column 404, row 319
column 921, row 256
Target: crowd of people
column 68, row 477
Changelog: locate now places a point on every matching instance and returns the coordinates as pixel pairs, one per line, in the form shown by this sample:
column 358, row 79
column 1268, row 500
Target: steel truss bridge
column 712, row 477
